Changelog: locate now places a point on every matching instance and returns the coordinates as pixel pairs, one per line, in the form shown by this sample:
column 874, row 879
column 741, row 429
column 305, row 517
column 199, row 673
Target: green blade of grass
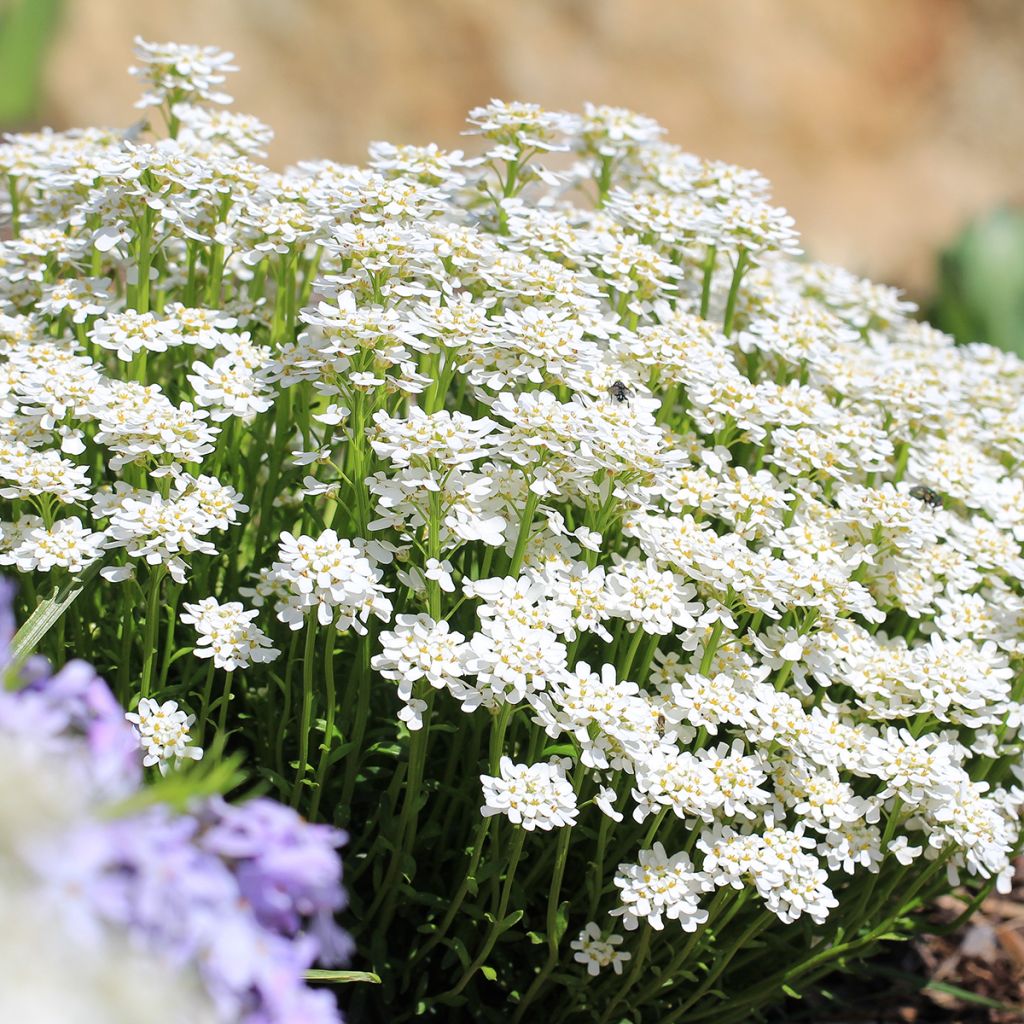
column 39, row 623
column 916, row 982
column 342, row 977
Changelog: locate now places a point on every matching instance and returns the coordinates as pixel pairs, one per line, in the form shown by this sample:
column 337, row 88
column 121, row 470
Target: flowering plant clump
column 652, row 599
column 214, row 914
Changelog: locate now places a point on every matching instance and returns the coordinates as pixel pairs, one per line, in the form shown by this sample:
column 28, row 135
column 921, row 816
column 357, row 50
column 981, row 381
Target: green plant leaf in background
column 26, row 29
column 981, row 283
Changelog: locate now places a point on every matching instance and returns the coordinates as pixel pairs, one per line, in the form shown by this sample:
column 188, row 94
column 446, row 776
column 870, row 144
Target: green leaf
column 971, row 997
column 39, row 623
column 981, row 282
column 337, row 753
column 513, row 919
column 281, row 784
column 342, row 977
column 461, row 952
column 192, row 780
column 489, row 973
column 559, row 750
column 913, row 981
column 561, row 921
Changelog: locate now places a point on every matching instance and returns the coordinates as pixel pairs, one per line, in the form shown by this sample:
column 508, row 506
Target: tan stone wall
column 883, row 123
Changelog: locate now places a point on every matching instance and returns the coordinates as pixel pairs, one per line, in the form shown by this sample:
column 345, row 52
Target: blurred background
column 887, row 126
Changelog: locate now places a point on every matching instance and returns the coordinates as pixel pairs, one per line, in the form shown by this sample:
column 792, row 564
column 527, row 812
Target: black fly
column 619, row 392
column 927, row 495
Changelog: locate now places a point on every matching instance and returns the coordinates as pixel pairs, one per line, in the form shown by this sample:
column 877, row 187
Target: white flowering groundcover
column 645, row 600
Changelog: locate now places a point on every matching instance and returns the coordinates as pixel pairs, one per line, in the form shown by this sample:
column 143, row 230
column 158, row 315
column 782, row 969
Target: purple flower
column 245, row 895
column 287, row 869
column 72, row 706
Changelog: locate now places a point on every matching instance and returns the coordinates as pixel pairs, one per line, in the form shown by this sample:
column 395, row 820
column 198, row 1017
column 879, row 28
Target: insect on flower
column 620, row 392
column 927, row 495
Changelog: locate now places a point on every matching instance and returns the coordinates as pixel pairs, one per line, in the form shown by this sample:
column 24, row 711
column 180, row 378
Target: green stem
column 225, row 701
column 307, row 708
column 525, row 526
column 639, row 963
column 604, row 184
column 709, row 275
column 286, row 710
column 680, row 958
column 627, row 661
column 554, row 932
column 760, row 922
column 143, row 262
column 325, row 749
column 495, row 930
column 360, row 722
column 734, row 288
column 12, row 191
column 204, row 707
column 152, row 621
column 818, row 963
column 711, row 648
column 468, row 881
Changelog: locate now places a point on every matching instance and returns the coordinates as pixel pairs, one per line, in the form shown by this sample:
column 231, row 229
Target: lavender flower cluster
column 239, row 899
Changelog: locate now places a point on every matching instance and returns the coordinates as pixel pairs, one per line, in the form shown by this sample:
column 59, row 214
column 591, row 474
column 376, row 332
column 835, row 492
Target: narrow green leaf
column 513, row 919
column 342, row 977
column 561, row 921
column 972, row 997
column 914, row 981
column 461, row 952
column 559, row 750
column 39, row 623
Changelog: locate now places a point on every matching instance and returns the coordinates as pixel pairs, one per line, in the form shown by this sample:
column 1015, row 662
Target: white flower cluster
column 227, row 634
column 328, row 575
column 163, row 732
column 581, row 449
column 531, row 795
column 173, row 73
column 598, row 952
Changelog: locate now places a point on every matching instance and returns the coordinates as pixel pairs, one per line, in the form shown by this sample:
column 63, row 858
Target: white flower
column 530, row 795
column 600, row 417
column 172, row 72
column 331, row 576
column 519, row 125
column 163, row 732
column 660, row 886
column 227, row 634
column 66, row 545
column 605, row 799
column 902, row 849
column 419, row 648
column 598, row 952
